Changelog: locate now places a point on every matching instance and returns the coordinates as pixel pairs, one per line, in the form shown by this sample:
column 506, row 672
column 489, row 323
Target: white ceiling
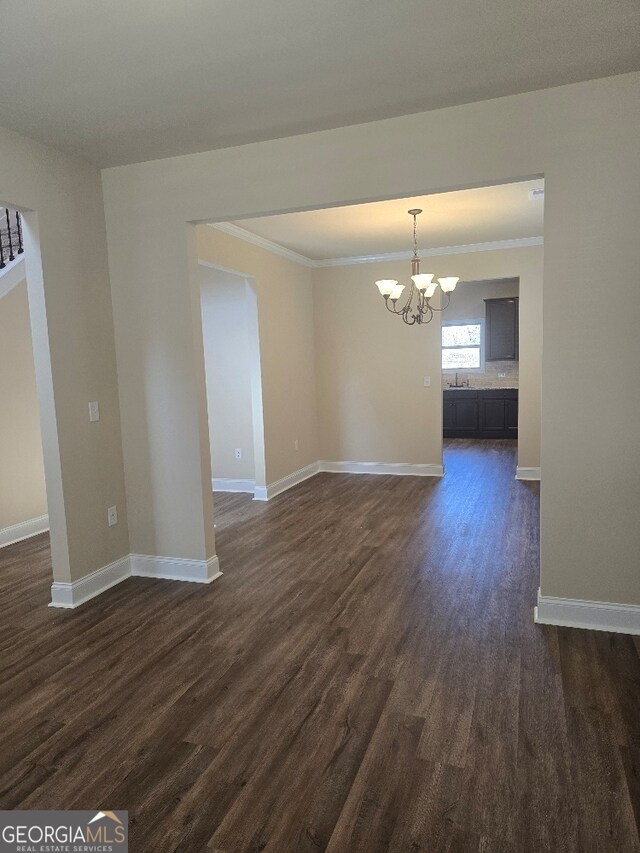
column 119, row 81
column 458, row 218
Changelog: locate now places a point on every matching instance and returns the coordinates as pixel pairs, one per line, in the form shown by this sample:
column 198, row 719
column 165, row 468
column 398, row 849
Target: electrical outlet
column 427, row 382
column 296, row 446
column 94, row 412
column 112, row 515
column 238, row 453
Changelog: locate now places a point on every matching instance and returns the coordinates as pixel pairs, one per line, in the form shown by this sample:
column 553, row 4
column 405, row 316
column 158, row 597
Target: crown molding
column 277, row 249
column 492, row 246
column 263, row 243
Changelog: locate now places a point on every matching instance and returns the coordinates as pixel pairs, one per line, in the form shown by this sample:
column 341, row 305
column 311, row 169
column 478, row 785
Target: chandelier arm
column 444, row 307
column 427, row 313
column 423, row 308
column 407, row 304
column 414, row 292
column 394, row 309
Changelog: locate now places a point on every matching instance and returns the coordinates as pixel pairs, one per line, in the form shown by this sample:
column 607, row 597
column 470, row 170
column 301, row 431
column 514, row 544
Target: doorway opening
column 233, row 380
column 480, row 361
column 371, row 377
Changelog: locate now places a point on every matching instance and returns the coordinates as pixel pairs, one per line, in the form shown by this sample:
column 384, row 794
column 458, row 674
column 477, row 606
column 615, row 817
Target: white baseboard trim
column 23, row 530
column 73, row 593
column 594, row 615
column 273, row 489
column 175, row 568
column 224, row 484
column 527, row 473
column 396, row 468
column 262, row 493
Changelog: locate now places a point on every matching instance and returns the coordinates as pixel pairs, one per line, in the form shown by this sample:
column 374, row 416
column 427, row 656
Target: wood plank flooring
column 366, row 676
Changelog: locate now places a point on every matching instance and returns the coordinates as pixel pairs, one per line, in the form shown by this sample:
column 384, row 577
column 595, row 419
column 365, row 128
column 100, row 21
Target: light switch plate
column 94, row 412
column 112, row 515
column 427, row 382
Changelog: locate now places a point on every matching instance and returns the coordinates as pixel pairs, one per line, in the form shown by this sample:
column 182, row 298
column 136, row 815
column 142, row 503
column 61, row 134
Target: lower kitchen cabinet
column 480, row 413
column 511, row 416
column 461, row 414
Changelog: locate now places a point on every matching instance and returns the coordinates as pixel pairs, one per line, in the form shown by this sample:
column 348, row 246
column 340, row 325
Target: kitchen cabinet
column 460, row 412
column 493, row 415
column 480, row 413
column 511, row 417
column 448, row 414
column 501, row 329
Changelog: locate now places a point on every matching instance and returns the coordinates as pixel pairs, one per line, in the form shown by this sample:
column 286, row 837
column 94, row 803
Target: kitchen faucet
column 457, row 384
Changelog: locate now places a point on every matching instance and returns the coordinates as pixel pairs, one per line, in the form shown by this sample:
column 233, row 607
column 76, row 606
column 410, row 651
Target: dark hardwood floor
column 366, row 676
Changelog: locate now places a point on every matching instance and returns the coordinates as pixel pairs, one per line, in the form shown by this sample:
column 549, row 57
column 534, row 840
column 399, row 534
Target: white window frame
column 450, row 371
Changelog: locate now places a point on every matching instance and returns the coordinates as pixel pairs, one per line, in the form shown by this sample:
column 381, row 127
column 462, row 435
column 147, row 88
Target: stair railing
column 10, row 236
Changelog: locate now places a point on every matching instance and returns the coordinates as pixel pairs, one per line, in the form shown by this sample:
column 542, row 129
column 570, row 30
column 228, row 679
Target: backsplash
column 489, row 378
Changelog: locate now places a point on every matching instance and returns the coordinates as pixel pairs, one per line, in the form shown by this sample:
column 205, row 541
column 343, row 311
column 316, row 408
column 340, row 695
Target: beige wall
column 67, row 277
column 162, row 390
column 582, row 138
column 228, row 371
column 372, row 401
column 287, row 348
column 371, row 366
column 22, row 489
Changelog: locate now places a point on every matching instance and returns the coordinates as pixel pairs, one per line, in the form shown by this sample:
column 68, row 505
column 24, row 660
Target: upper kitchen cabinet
column 501, row 329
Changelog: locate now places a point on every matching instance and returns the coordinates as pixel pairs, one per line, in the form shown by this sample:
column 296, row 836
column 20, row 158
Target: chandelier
column 418, row 308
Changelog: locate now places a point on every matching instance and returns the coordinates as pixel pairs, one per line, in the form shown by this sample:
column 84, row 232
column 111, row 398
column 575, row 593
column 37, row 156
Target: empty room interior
column 319, row 458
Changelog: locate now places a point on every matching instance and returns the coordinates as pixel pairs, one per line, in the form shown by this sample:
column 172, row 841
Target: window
column 462, row 346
